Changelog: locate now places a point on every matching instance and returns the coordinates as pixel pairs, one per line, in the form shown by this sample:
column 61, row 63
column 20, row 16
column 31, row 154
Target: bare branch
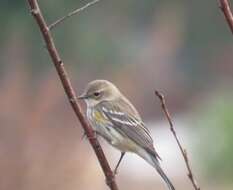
column 183, row 151
column 35, row 10
column 225, row 7
column 74, row 12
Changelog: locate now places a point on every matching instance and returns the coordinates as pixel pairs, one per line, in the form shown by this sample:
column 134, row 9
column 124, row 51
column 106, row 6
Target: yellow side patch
column 99, row 117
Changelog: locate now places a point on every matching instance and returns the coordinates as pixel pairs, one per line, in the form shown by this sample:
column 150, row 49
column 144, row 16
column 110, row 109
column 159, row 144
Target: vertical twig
column 183, row 151
column 35, row 10
column 225, row 7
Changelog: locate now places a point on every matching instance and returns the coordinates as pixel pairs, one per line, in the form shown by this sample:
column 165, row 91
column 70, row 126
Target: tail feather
column 152, row 159
column 162, row 174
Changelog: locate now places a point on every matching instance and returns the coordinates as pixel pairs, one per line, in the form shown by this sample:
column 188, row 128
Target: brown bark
column 59, row 65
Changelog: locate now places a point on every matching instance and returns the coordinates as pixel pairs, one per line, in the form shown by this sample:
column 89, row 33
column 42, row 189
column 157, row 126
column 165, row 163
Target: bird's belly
column 119, row 141
column 125, row 146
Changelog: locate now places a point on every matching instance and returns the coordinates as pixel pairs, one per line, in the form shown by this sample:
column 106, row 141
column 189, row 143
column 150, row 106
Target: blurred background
column 182, row 48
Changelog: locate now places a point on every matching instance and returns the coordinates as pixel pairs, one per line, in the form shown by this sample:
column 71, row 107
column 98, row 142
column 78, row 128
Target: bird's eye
column 96, row 94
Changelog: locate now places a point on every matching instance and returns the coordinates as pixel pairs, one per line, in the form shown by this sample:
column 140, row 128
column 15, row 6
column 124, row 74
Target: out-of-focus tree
column 216, row 125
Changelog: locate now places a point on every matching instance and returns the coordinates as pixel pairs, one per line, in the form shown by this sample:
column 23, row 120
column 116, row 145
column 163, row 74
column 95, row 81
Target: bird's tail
column 162, row 174
column 153, row 160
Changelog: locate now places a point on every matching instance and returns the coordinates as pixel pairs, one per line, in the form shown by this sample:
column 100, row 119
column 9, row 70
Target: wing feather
column 128, row 125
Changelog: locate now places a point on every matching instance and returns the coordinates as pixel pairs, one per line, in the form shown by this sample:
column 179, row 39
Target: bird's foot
column 84, row 136
column 115, row 172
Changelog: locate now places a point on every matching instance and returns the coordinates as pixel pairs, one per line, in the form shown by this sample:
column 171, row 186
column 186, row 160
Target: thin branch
column 74, row 12
column 225, row 7
column 35, row 10
column 183, row 151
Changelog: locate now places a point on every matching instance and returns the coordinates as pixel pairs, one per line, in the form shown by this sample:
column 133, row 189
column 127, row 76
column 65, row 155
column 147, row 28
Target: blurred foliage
column 181, row 47
column 104, row 34
column 216, row 121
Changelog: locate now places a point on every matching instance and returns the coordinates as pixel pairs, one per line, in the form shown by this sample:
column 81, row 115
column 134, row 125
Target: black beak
column 82, row 96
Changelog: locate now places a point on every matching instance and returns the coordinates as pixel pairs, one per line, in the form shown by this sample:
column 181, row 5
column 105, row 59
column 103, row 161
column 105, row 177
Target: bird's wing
column 128, row 125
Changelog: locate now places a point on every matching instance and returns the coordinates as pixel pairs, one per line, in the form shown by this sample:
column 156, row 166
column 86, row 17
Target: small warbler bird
column 112, row 116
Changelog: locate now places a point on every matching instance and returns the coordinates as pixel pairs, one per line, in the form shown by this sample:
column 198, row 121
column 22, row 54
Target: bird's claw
column 84, row 136
column 115, row 172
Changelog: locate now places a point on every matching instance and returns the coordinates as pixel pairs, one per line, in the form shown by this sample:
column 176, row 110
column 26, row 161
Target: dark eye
column 96, row 94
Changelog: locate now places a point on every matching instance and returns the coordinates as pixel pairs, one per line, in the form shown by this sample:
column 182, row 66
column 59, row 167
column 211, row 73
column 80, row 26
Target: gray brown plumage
column 114, row 118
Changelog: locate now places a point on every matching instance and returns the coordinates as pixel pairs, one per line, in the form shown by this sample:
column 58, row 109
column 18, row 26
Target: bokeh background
column 183, row 48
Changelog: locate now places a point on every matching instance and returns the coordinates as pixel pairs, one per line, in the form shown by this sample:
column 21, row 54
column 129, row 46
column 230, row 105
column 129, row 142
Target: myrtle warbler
column 113, row 117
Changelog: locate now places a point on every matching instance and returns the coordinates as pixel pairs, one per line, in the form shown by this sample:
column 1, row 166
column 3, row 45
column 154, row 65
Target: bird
column 113, row 117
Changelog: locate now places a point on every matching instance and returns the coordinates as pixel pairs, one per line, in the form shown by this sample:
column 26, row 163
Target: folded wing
column 128, row 125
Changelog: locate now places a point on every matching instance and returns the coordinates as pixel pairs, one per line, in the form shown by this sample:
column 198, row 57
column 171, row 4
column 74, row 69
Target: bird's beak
column 82, row 96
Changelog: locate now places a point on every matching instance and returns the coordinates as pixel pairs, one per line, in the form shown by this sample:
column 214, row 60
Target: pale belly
column 120, row 142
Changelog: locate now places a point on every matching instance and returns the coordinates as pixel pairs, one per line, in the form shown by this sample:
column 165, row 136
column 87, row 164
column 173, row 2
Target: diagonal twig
column 59, row 65
column 72, row 13
column 183, row 151
column 225, row 7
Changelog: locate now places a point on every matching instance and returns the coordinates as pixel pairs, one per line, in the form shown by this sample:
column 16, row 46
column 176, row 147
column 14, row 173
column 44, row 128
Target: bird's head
column 99, row 90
